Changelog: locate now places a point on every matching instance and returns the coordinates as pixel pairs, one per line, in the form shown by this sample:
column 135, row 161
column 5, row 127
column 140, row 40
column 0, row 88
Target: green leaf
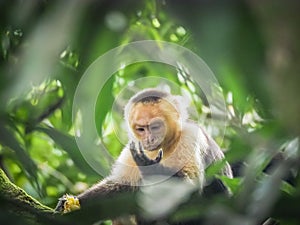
column 68, row 143
column 8, row 139
column 232, row 183
column 104, row 104
column 288, row 188
column 214, row 168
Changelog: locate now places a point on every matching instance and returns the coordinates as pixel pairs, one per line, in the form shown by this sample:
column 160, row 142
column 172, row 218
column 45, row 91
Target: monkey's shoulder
column 193, row 132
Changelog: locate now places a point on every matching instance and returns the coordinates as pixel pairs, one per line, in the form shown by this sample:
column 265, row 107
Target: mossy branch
column 24, row 208
column 17, row 207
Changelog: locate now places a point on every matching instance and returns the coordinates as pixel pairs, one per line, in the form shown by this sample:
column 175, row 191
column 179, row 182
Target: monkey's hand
column 150, row 167
column 67, row 203
column 141, row 159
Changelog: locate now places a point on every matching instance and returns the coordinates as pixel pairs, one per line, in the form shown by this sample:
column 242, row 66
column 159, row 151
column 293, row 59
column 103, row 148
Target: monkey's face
column 151, row 124
column 151, row 134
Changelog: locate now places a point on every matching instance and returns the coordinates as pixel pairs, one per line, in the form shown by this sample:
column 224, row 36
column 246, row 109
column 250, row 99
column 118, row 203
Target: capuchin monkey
column 162, row 141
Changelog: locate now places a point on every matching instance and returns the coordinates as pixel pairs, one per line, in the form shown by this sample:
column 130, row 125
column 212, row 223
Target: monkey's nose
column 150, row 141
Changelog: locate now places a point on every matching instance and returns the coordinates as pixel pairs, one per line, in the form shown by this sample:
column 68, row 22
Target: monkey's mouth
column 152, row 145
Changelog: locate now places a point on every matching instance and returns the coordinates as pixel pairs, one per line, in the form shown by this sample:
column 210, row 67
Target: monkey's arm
column 213, row 154
column 106, row 188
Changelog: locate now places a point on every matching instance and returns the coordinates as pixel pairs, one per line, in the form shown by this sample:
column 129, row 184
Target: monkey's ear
column 181, row 104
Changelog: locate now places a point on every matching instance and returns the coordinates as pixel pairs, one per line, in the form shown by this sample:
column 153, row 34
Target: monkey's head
column 154, row 118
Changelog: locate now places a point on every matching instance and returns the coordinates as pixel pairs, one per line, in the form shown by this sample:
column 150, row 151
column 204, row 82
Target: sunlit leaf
column 104, row 104
column 234, row 184
column 7, row 138
column 68, row 143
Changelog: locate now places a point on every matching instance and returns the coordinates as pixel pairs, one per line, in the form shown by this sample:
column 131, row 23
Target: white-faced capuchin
column 162, row 141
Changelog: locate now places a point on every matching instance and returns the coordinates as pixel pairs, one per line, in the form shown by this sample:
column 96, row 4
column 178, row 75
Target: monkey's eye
column 140, row 129
column 155, row 126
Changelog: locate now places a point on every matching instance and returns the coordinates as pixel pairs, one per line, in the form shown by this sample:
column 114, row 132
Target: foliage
column 46, row 46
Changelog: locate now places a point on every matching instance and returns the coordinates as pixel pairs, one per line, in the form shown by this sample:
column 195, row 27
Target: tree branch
column 18, row 206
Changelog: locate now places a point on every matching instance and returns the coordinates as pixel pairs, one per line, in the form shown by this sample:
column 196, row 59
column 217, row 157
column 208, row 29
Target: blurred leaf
column 287, row 209
column 69, row 58
column 68, row 79
column 288, row 188
column 168, row 195
column 291, row 148
column 234, row 184
column 68, row 143
column 214, row 168
column 104, row 104
column 7, row 138
column 40, row 103
column 233, row 81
